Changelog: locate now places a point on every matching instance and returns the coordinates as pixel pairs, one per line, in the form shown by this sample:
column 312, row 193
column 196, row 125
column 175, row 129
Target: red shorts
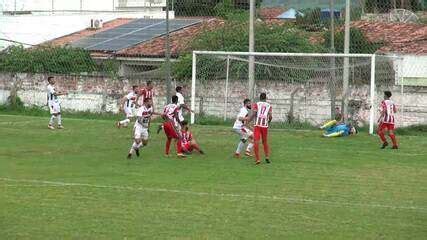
column 260, row 132
column 386, row 126
column 170, row 130
column 187, row 147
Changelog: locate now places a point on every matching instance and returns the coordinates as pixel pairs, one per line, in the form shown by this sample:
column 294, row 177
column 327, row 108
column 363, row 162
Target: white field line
column 220, row 195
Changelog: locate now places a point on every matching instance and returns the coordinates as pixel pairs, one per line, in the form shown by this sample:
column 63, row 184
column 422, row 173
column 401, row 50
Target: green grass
column 76, row 184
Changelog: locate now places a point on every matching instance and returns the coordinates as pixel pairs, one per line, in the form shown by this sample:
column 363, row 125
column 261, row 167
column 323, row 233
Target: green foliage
column 358, row 42
column 233, row 36
column 57, row 60
column 311, row 20
column 195, row 7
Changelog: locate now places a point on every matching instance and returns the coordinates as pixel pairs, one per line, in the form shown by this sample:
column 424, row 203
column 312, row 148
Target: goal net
column 304, row 89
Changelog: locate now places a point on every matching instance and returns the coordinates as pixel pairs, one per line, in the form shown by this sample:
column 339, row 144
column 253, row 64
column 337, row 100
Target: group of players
column 251, row 124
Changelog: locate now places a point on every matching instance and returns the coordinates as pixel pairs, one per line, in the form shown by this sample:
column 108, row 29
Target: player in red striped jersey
column 386, row 120
column 188, row 143
column 263, row 114
column 171, row 126
column 146, row 92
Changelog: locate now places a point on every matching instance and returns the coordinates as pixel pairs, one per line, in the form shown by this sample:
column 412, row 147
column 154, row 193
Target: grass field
column 76, row 184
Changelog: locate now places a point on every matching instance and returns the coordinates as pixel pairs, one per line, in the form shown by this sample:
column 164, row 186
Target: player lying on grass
column 188, row 143
column 386, row 121
column 127, row 105
column 140, row 130
column 243, row 130
column 54, row 104
column 337, row 128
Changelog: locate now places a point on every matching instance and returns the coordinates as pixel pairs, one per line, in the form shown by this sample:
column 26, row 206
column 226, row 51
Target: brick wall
column 311, row 102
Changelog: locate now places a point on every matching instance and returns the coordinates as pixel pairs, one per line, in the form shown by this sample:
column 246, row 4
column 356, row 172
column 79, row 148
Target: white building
column 37, row 21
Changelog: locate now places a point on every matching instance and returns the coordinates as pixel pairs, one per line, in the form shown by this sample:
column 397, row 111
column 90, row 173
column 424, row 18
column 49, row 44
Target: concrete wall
column 311, row 102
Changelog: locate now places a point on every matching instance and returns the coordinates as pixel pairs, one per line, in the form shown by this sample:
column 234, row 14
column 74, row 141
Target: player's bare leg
column 196, row 146
column 393, row 139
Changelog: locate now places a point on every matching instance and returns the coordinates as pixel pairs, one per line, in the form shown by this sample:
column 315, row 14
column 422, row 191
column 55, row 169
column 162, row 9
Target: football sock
column 249, row 148
column 59, row 120
column 256, row 150
column 329, row 124
column 125, row 122
column 178, row 147
column 393, row 139
column 266, row 149
column 240, row 146
column 132, row 149
column 382, row 137
column 168, row 146
column 140, row 145
column 52, row 120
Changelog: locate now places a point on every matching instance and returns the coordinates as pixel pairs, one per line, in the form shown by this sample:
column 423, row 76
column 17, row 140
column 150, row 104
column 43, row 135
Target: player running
column 127, row 105
column 188, row 143
column 171, row 126
column 263, row 114
column 386, row 120
column 54, row 104
column 143, row 117
column 240, row 127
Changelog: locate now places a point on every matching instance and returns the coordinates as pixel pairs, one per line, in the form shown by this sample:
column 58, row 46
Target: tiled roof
column 179, row 41
column 397, row 37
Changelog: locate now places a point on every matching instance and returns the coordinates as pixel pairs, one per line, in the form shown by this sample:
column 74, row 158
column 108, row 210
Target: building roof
column 406, row 38
column 88, row 32
column 154, row 48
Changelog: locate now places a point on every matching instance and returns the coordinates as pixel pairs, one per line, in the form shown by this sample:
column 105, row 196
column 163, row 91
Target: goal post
column 300, row 84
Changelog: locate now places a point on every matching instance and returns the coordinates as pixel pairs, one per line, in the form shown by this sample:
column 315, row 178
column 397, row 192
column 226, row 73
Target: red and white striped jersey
column 147, row 93
column 262, row 110
column 388, row 109
column 186, row 136
column 171, row 112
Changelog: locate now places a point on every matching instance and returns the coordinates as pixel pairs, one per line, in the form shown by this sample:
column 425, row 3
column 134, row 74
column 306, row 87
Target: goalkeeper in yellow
column 337, row 128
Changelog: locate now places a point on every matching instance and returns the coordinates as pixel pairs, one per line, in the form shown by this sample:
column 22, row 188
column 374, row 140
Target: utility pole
column 332, row 82
column 168, row 56
column 251, row 69
column 344, row 106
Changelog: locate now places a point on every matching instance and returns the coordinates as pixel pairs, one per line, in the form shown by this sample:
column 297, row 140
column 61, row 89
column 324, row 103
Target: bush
column 358, row 42
column 233, row 36
column 57, row 60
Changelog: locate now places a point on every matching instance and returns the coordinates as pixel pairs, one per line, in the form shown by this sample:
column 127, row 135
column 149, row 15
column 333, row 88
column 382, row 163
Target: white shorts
column 180, row 117
column 244, row 133
column 140, row 132
column 54, row 107
column 129, row 112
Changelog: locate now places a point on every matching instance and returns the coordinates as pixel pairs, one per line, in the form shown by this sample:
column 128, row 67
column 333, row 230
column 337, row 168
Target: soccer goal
column 304, row 88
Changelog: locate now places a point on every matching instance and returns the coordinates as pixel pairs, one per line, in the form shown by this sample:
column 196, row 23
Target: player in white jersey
column 54, row 104
column 128, row 106
column 140, row 130
column 240, row 127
